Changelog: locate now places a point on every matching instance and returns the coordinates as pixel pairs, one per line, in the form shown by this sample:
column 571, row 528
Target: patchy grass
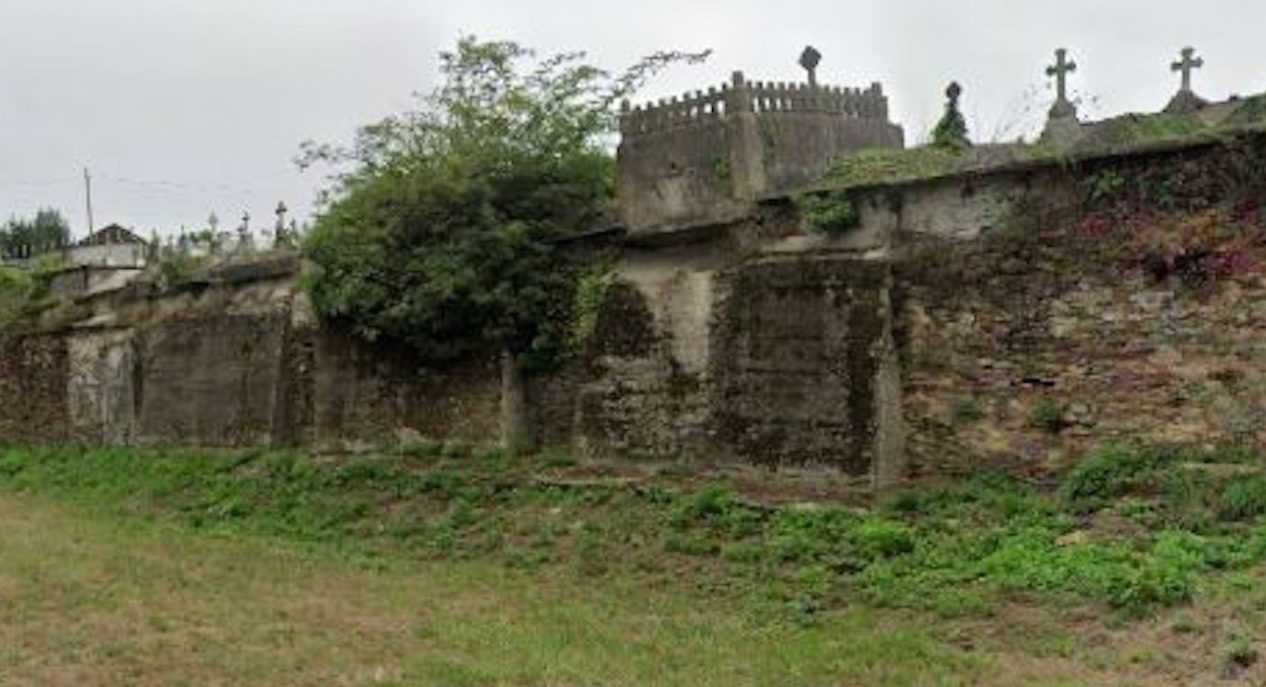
column 1176, row 514
column 102, row 601
column 1250, row 112
column 542, row 573
column 892, row 166
column 1121, row 134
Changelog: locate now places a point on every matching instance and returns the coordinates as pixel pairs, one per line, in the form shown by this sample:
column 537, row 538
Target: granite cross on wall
column 1188, row 62
column 1060, row 70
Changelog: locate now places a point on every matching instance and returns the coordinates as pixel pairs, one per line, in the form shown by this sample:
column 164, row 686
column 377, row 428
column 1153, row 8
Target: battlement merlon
column 754, row 97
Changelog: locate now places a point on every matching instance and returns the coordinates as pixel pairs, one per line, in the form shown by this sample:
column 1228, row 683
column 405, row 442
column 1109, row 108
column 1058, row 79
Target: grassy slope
column 421, row 569
column 103, row 601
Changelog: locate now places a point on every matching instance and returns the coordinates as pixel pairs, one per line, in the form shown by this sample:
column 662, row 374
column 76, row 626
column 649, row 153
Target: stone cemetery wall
column 1066, row 307
column 713, row 354
column 101, row 388
column 799, row 349
column 238, row 364
column 1011, row 318
column 365, row 393
column 639, row 390
column 33, row 402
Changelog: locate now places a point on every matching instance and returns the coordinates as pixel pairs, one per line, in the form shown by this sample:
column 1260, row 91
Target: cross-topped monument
column 1188, row 62
column 810, row 59
column 281, row 214
column 1186, row 101
column 1060, row 71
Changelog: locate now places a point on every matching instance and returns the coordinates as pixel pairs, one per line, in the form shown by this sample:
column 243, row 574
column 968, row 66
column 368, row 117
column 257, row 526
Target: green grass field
column 430, row 567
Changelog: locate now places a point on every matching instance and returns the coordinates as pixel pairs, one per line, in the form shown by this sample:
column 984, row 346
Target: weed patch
column 1133, row 528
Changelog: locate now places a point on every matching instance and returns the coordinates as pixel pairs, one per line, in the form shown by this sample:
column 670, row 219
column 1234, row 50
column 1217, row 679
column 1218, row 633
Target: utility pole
column 88, row 197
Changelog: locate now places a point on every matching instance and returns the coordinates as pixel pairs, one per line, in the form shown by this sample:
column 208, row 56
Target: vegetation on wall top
column 439, row 232
column 1117, row 136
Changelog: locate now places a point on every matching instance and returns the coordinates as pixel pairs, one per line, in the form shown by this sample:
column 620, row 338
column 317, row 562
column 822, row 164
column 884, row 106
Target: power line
column 42, row 182
column 222, row 188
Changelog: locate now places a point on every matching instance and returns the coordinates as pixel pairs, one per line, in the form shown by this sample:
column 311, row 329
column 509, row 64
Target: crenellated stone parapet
column 704, row 108
column 706, row 155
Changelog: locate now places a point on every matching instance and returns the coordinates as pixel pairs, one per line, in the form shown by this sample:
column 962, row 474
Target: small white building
column 110, row 246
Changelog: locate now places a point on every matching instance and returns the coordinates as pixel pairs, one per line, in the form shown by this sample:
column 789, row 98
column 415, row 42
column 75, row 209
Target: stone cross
column 1060, row 70
column 246, row 221
column 1188, row 62
column 810, row 59
column 281, row 214
column 213, row 222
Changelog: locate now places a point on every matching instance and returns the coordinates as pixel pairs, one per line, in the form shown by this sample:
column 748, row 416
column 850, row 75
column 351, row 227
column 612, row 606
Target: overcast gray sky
column 186, row 107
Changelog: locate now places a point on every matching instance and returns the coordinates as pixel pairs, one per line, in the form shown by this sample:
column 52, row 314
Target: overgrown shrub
column 830, row 212
column 950, row 132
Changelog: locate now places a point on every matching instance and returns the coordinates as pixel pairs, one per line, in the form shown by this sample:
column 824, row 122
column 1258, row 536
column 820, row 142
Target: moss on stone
column 1250, row 112
column 1117, row 136
column 889, row 166
column 1123, row 133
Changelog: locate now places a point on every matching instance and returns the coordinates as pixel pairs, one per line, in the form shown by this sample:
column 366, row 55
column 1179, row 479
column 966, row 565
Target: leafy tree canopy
column 25, row 236
column 437, row 230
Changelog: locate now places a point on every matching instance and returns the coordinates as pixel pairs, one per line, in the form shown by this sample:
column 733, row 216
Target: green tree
column 44, row 232
column 439, row 228
column 951, row 130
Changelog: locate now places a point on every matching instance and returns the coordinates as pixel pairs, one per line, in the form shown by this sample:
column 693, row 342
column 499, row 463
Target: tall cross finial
column 1060, row 70
column 810, row 59
column 1188, row 62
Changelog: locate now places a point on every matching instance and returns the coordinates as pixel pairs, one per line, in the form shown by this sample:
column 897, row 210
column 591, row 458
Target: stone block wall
column 210, row 380
column 727, row 358
column 1012, row 318
column 33, row 394
column 363, row 392
column 797, row 148
column 102, row 402
column 240, row 364
column 1040, row 316
column 681, row 176
column 1114, row 353
column 630, row 398
column 800, row 345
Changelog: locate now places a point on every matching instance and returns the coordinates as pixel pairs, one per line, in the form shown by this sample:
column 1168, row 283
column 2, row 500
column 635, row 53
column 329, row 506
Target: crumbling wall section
column 34, row 407
column 365, row 392
column 1115, row 300
column 101, row 386
column 801, row 345
column 210, row 380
